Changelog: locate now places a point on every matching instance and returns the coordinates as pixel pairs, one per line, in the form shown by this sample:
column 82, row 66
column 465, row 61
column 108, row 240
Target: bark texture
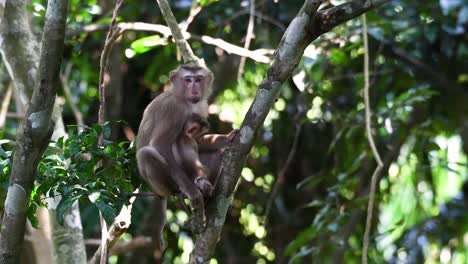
column 35, row 130
column 307, row 26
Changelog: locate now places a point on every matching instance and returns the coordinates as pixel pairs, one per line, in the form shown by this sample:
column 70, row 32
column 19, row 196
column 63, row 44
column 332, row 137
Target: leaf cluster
column 76, row 167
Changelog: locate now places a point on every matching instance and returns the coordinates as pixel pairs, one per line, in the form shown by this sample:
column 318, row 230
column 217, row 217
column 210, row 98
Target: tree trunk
column 35, row 130
column 18, row 50
column 67, row 240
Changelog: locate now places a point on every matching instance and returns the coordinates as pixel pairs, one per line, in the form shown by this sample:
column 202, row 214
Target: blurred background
column 304, row 189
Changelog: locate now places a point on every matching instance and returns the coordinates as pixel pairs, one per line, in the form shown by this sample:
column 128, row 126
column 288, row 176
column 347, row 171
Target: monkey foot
column 160, row 245
column 204, row 186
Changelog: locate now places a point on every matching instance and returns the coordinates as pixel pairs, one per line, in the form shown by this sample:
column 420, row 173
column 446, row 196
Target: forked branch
column 182, row 45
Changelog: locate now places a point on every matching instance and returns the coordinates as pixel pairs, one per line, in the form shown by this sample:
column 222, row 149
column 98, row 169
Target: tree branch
column 260, row 55
column 332, row 17
column 248, row 38
column 292, row 45
column 68, row 96
column 19, row 42
column 112, row 35
column 303, row 29
column 34, row 133
column 377, row 157
column 182, row 45
column 121, row 224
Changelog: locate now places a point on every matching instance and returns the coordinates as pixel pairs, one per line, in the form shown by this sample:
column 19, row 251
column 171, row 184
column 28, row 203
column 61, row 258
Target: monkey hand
column 231, row 136
column 160, row 245
column 204, row 186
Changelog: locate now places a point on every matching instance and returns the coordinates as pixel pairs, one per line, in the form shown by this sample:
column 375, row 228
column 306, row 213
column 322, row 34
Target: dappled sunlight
column 411, row 199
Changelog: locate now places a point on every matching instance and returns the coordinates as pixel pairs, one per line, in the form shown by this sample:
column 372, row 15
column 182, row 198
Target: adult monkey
column 164, row 126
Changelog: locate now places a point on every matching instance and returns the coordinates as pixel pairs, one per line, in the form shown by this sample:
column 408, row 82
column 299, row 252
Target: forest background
column 304, row 188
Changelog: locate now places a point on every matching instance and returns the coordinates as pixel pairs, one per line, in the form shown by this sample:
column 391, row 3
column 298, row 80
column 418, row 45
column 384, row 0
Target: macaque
column 169, row 140
column 186, row 148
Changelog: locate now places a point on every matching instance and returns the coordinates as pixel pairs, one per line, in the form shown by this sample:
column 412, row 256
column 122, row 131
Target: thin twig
column 110, row 38
column 282, row 174
column 368, row 112
column 5, row 104
column 261, row 16
column 68, row 96
column 248, row 38
column 194, row 11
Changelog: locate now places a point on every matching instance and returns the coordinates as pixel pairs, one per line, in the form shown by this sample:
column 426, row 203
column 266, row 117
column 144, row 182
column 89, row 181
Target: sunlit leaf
column 65, row 204
column 145, row 44
column 338, row 57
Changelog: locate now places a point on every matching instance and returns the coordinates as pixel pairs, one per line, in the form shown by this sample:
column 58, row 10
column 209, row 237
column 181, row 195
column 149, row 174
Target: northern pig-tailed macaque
column 185, row 149
column 170, row 145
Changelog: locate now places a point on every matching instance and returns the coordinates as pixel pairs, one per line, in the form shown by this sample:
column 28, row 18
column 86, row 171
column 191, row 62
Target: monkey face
column 193, row 83
column 193, row 86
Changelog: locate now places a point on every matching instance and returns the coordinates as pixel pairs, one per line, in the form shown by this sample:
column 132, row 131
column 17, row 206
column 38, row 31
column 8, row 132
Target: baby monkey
column 186, row 151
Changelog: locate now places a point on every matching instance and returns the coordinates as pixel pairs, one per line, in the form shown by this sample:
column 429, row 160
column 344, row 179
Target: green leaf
column 94, row 196
column 60, row 142
column 7, row 141
column 108, row 212
column 145, row 44
column 106, row 130
column 54, row 157
column 297, row 258
column 310, row 182
column 338, row 57
column 32, row 215
column 302, row 239
column 65, row 204
column 432, row 146
column 314, row 203
column 207, row 2
column 3, row 153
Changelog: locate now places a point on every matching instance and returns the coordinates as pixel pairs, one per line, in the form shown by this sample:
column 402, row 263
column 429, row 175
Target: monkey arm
column 216, row 141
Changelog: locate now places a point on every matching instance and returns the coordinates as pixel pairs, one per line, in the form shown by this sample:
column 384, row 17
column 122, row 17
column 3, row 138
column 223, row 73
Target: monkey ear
column 172, row 75
column 209, row 76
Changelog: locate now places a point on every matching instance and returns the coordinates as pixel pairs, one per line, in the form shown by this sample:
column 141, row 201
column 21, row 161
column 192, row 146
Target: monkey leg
column 155, row 171
column 188, row 188
column 212, row 161
column 186, row 154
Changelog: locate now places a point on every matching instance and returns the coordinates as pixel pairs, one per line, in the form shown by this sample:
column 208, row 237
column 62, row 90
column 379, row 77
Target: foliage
column 75, row 167
column 419, row 57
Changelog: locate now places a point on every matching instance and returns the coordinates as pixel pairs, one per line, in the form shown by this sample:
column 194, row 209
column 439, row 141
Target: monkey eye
column 198, row 79
column 188, row 79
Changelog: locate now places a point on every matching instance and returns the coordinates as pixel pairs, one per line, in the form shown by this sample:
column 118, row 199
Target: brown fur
column 173, row 155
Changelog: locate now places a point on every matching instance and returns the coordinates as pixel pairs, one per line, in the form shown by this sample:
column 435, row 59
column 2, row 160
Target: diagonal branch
column 34, row 133
column 182, row 45
column 307, row 26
